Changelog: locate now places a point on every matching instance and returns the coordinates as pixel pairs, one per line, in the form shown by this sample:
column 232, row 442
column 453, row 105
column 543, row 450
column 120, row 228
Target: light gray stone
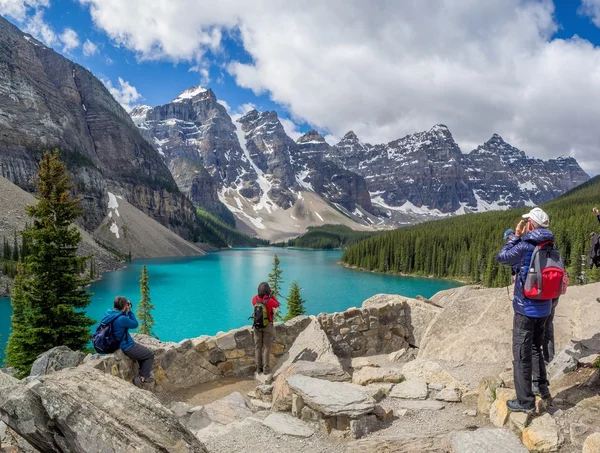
column 198, row 419
column 227, row 342
column 288, row 425
column 180, row 409
column 397, row 355
column 228, row 410
column 311, row 345
column 471, row 413
column 331, row 398
column 592, row 444
column 370, row 375
column 542, row 435
column 564, row 362
column 413, row 389
column 451, row 395
column 435, row 387
column 56, row 359
column 361, row 362
column 484, row 440
column 260, row 405
column 578, row 432
column 321, row 370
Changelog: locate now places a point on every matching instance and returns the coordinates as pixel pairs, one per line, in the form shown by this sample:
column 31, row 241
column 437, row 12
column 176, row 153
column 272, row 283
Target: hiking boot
column 137, row 381
column 515, row 406
column 148, row 380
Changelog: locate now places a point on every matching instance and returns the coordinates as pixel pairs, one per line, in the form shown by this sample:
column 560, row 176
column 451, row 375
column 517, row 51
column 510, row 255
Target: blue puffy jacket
column 517, row 252
column 122, row 324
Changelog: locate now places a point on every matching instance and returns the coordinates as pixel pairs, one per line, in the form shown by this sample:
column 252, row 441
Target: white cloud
column 394, row 68
column 125, row 94
column 224, row 104
column 591, row 8
column 89, row 48
column 291, row 128
column 38, row 28
column 17, row 9
column 70, row 40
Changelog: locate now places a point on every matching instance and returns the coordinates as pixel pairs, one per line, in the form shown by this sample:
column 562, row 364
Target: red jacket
column 271, row 304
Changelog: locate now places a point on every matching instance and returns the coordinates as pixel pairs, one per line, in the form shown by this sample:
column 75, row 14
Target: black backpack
column 260, row 316
column 104, row 340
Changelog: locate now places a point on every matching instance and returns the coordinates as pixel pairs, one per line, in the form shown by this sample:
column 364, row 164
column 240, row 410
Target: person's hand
column 596, row 212
column 521, row 228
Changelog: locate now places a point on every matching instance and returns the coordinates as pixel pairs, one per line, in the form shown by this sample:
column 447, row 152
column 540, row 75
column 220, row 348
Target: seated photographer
column 124, row 319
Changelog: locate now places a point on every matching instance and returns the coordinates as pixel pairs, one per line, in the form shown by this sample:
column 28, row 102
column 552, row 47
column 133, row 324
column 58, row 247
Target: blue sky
column 525, row 69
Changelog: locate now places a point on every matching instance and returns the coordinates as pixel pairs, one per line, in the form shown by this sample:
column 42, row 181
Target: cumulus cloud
column 89, row 48
column 38, row 28
column 224, row 104
column 125, row 94
column 591, row 8
column 69, row 39
column 18, row 9
column 387, row 69
column 291, row 128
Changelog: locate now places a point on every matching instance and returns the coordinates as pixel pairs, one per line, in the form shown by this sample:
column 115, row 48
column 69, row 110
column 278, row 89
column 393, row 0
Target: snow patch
column 114, row 228
column 319, row 216
column 529, row 185
column 189, row 94
column 113, row 203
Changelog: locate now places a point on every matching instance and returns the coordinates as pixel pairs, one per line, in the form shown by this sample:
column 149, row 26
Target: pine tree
column 18, row 351
column 54, row 295
column 275, row 277
column 295, row 303
column 15, row 256
column 145, row 307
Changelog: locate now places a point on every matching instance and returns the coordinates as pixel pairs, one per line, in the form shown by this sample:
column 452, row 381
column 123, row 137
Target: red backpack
column 547, row 277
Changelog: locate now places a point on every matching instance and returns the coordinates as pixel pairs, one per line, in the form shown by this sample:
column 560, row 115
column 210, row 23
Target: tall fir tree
column 145, row 307
column 295, row 303
column 53, row 293
column 276, row 277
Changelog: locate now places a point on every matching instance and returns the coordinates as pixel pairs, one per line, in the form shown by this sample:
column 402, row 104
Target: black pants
column 528, row 363
column 548, row 346
column 144, row 357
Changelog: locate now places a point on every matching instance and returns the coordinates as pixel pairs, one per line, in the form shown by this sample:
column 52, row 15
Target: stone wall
column 353, row 333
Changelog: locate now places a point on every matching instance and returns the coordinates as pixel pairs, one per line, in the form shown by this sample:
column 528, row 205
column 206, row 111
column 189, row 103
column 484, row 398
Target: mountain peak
column 140, row 110
column 311, row 136
column 190, row 93
column 350, row 136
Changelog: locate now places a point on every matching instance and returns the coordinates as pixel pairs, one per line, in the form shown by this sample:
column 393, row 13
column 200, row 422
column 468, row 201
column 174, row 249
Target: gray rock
column 331, row 398
column 180, row 409
column 396, row 356
column 420, row 405
column 312, row 345
column 260, row 405
column 227, row 342
column 451, row 395
column 228, row 410
column 542, row 435
column 370, row 375
column 578, row 433
column 198, row 419
column 92, row 407
column 471, row 413
column 56, row 359
column 364, row 425
column 484, row 440
column 413, row 389
column 288, row 425
column 435, row 387
column 564, row 362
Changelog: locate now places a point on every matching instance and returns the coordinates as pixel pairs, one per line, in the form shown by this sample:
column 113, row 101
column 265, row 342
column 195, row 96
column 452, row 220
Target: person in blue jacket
column 124, row 319
column 530, row 315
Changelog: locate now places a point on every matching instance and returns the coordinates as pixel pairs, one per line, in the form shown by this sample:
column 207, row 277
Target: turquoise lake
column 212, row 293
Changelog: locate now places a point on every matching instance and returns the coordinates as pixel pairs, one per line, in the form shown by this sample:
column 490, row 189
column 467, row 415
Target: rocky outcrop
column 50, row 102
column 83, row 410
column 56, row 359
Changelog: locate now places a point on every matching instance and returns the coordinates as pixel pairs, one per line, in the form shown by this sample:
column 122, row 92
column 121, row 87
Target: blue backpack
column 104, row 340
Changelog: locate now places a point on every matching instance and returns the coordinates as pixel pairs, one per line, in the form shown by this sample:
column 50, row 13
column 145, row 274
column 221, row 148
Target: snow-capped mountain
column 253, row 169
column 426, row 173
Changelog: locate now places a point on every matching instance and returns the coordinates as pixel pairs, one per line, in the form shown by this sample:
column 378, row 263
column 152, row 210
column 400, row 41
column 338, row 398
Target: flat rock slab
column 484, row 440
column 228, row 410
column 288, row 425
column 370, row 375
column 413, row 389
column 378, row 444
column 331, row 398
column 421, row 405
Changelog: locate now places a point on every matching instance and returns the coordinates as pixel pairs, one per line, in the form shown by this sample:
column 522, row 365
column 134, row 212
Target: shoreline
column 401, row 274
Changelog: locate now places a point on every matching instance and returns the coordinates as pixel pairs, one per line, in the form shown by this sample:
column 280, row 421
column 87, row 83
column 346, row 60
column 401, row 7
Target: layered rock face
column 50, row 102
column 198, row 142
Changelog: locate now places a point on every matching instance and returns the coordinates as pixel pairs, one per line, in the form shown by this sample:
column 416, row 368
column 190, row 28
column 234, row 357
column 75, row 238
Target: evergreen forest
column 327, row 237
column 465, row 247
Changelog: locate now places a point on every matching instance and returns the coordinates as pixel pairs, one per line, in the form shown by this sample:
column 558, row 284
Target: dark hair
column 120, row 302
column 264, row 290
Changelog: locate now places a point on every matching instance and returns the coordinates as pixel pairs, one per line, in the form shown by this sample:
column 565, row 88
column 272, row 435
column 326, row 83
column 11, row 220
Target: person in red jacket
column 264, row 336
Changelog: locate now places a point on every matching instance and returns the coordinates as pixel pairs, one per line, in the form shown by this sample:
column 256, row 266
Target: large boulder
column 542, row 435
column 331, row 398
column 312, row 345
column 475, row 324
column 232, row 408
column 56, row 359
column 82, row 410
column 371, row 375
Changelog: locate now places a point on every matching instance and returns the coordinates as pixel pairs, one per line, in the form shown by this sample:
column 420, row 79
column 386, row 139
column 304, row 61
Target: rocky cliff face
column 426, row 173
column 50, row 102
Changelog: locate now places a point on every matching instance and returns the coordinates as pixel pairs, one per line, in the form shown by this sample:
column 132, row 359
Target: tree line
column 465, row 247
column 327, row 237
